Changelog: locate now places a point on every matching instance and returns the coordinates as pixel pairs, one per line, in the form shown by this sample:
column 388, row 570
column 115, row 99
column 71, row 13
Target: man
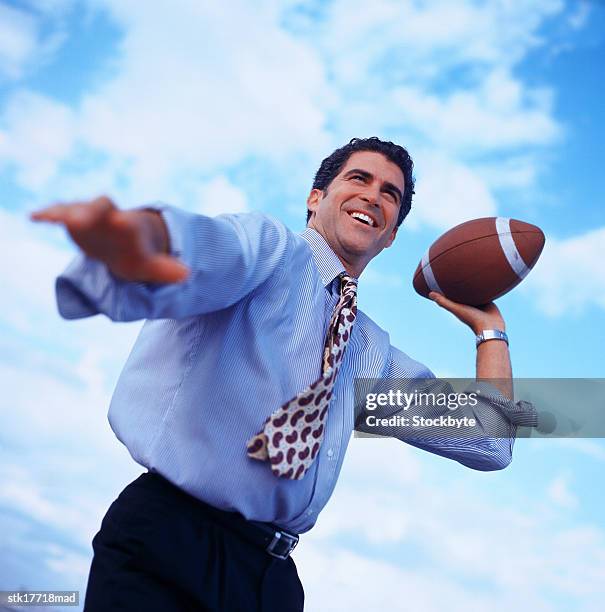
column 239, row 312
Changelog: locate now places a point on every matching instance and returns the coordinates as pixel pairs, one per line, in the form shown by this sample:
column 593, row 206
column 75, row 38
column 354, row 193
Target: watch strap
column 490, row 334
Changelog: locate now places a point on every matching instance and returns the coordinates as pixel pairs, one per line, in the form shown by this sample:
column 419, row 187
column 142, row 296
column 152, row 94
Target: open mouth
column 362, row 218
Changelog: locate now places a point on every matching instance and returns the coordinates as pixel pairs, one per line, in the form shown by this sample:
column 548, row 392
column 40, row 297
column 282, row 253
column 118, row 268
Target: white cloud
column 102, row 179
column 67, row 563
column 515, row 171
column 60, row 402
column 57, row 381
column 578, row 19
column 29, row 36
column 36, row 134
column 429, row 36
column 338, row 579
column 58, row 374
column 219, row 196
column 18, row 40
column 569, row 276
column 440, row 76
column 386, row 542
column 375, row 462
column 590, row 448
column 559, row 492
column 397, row 57
column 209, row 100
column 448, row 193
column 28, row 287
column 175, row 111
column 186, row 106
column 490, row 118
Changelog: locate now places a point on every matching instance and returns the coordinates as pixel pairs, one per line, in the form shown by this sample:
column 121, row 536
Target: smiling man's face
column 357, row 216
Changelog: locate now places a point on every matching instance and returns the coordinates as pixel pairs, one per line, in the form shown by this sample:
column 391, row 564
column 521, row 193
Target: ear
column 313, row 200
column 391, row 237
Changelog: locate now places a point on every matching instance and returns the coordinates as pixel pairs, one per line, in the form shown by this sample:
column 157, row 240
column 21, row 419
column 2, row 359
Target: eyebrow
column 386, row 186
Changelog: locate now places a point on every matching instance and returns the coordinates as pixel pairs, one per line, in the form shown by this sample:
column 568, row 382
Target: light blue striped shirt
column 220, row 352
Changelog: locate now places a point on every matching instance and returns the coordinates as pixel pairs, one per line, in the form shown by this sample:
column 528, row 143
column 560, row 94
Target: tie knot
column 347, row 282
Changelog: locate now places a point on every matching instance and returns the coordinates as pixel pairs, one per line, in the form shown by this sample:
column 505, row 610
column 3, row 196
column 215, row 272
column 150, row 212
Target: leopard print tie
column 291, row 436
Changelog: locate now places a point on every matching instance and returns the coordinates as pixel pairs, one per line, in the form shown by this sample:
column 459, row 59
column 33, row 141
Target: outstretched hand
column 132, row 243
column 477, row 318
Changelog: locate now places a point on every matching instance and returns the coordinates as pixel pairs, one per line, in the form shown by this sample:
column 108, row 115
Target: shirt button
column 309, row 512
column 330, row 453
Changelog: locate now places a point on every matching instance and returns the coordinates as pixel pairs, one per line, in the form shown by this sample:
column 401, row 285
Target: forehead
column 376, row 164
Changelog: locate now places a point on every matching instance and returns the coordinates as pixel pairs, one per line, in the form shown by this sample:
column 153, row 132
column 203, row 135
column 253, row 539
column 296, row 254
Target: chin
column 360, row 247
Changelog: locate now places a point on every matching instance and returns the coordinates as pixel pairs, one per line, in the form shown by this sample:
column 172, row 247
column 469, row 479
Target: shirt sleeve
column 487, row 445
column 229, row 256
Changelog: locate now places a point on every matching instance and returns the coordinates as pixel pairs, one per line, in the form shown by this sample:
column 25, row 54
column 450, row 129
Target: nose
column 371, row 196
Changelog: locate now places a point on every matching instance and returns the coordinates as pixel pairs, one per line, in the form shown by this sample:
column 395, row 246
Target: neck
column 354, row 265
column 353, row 270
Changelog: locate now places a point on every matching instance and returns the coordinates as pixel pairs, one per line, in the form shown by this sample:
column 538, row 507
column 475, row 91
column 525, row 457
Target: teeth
column 362, row 217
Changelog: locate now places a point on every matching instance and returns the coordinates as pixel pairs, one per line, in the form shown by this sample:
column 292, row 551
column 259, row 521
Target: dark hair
column 333, row 164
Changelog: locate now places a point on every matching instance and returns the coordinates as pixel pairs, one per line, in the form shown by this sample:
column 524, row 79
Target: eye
column 358, row 177
column 392, row 197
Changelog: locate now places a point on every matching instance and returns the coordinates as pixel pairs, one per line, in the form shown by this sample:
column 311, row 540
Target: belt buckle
column 282, row 545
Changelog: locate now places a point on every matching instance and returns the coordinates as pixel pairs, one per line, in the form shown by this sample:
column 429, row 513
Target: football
column 479, row 260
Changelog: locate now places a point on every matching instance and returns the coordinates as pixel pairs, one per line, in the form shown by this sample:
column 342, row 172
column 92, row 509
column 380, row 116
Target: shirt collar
column 326, row 260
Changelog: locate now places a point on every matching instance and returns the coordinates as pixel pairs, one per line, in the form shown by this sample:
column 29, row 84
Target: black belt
column 275, row 541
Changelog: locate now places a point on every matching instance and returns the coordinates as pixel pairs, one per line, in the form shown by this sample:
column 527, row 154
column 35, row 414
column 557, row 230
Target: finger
column 439, row 298
column 164, row 269
column 74, row 212
column 460, row 310
column 84, row 215
column 101, row 205
column 54, row 214
column 70, row 215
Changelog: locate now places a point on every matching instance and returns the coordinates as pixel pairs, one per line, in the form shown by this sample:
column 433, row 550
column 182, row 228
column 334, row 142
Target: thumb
column 162, row 268
column 437, row 297
column 454, row 307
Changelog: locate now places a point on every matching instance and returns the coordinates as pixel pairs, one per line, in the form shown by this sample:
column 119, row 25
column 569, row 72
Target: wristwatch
column 490, row 334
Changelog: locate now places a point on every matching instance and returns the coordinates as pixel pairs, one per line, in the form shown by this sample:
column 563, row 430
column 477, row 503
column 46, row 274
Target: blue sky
column 231, row 109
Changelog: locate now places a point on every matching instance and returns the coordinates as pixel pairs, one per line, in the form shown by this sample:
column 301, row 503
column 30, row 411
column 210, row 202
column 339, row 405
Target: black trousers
column 159, row 549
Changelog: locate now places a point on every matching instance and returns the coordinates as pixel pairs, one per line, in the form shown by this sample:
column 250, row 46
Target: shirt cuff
column 84, row 286
column 520, row 413
column 172, row 218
